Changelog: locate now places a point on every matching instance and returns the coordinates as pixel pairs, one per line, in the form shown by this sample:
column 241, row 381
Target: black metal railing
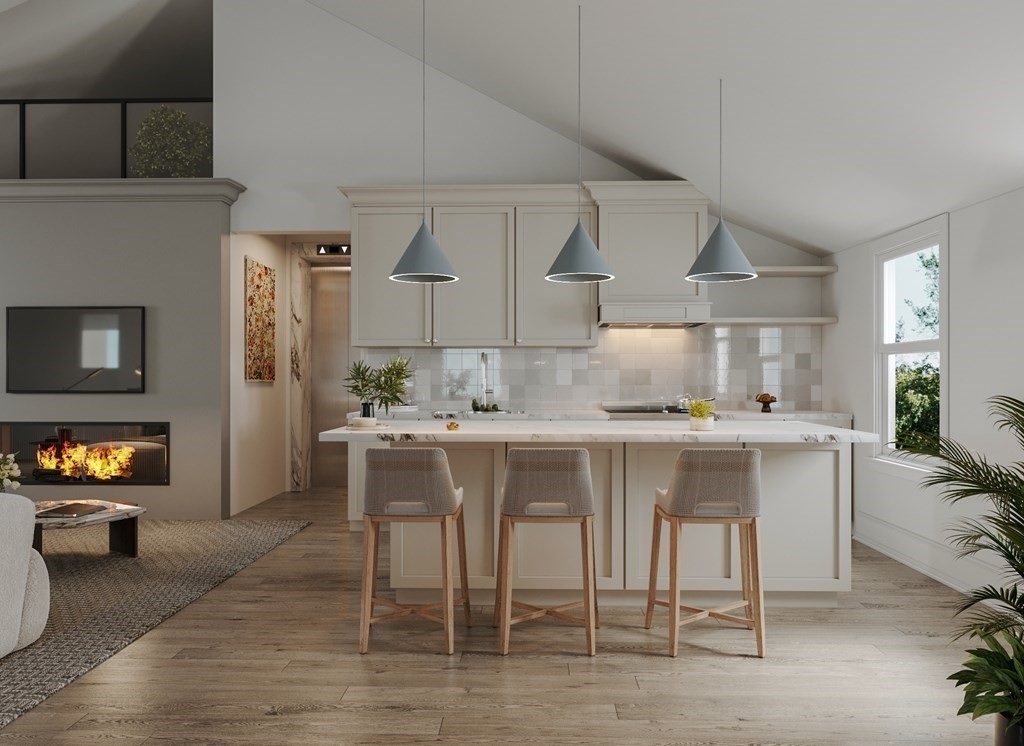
column 24, row 105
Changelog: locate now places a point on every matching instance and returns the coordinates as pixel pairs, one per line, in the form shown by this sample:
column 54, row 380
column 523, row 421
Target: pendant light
column 579, row 260
column 423, row 261
column 721, row 259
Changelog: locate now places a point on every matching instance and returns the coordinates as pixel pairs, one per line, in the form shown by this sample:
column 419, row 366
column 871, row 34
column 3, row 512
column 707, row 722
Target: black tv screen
column 76, row 349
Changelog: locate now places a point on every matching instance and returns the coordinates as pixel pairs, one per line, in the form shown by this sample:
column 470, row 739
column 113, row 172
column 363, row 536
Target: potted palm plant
column 993, row 675
column 360, row 383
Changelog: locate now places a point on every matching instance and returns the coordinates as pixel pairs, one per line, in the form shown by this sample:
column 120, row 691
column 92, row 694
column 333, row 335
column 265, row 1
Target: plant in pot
column 993, row 675
column 361, row 383
column 383, row 387
column 702, row 415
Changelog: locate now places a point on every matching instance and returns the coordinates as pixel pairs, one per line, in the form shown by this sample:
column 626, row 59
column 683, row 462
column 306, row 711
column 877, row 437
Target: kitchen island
column 805, row 506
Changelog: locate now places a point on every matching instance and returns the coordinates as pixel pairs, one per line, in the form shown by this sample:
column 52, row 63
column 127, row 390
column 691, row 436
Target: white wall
column 304, row 103
column 891, row 511
column 259, row 409
column 151, row 243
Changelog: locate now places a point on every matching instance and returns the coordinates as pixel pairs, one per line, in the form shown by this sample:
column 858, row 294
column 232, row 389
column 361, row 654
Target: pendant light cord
column 579, row 113
column 423, row 110
column 721, row 206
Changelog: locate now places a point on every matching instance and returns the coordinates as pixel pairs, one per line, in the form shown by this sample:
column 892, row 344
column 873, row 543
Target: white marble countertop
column 595, row 431
column 600, row 414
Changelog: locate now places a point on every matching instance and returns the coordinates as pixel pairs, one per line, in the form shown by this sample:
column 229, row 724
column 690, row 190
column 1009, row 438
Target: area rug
column 100, row 602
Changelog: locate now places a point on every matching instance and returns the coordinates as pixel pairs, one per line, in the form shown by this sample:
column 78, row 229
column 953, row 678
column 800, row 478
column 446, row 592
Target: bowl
column 364, row 422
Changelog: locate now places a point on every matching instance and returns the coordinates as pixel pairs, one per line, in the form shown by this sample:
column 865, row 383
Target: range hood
column 654, row 315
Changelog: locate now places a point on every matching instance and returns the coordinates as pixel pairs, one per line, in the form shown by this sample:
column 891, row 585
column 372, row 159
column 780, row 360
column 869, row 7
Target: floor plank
column 270, row 657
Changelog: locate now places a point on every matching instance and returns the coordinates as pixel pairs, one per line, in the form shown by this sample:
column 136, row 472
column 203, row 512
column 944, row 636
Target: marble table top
column 591, row 431
column 111, row 512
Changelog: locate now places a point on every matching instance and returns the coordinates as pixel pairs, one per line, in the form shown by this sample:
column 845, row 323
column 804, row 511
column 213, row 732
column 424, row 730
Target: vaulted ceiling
column 843, row 119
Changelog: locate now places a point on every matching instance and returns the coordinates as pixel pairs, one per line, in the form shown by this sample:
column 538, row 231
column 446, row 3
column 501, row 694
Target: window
column 911, row 334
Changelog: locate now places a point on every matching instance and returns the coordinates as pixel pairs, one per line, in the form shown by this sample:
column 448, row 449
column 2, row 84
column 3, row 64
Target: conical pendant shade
column 423, row 261
column 721, row 260
column 579, row 260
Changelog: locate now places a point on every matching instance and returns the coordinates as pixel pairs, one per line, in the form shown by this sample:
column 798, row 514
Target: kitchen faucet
column 484, row 389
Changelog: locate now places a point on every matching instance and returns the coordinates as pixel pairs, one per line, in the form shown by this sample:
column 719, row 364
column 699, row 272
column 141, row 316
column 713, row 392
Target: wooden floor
column 270, row 657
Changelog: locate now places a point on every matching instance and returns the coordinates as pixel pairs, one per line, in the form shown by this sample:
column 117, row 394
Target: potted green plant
column 383, row 387
column 993, row 675
column 702, row 415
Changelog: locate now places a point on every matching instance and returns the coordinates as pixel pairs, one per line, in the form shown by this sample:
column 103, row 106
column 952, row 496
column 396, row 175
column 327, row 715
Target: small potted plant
column 361, row 383
column 702, row 415
column 390, row 382
column 766, row 400
column 993, row 675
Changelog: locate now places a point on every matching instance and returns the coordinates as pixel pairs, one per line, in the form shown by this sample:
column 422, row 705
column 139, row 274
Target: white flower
column 14, row 485
column 7, row 483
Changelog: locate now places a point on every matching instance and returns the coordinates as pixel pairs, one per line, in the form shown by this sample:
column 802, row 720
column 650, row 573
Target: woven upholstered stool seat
column 412, row 485
column 546, row 485
column 718, row 486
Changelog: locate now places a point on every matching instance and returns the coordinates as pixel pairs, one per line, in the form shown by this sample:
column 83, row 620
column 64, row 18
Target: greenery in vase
column 391, row 380
column 701, row 410
column 361, row 381
column 993, row 676
column 384, row 386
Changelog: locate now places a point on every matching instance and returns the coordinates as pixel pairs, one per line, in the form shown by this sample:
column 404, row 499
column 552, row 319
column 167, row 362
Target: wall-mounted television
column 76, row 349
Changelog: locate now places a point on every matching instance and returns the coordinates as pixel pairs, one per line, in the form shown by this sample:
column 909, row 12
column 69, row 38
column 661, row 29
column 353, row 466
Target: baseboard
column 929, row 557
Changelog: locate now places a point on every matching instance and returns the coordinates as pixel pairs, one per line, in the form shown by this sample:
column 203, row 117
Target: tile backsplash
column 731, row 363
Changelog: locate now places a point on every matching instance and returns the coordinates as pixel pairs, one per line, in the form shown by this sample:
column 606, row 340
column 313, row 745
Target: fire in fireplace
column 89, row 453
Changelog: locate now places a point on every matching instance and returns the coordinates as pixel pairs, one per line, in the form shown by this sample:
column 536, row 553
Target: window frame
column 933, row 232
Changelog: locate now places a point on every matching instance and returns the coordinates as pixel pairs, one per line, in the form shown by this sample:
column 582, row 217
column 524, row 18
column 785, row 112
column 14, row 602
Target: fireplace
column 106, row 453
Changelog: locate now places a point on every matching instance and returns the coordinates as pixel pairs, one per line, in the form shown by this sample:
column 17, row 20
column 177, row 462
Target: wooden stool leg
column 460, row 526
column 447, row 583
column 508, row 533
column 756, row 587
column 745, row 570
column 673, row 586
column 593, row 576
column 376, row 559
column 499, row 575
column 587, row 547
column 652, row 584
column 369, row 562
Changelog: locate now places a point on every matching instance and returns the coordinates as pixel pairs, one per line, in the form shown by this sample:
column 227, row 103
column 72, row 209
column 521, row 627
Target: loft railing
column 104, row 125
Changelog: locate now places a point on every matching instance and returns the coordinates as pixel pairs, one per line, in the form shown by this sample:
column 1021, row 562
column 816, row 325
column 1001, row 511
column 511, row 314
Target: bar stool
column 718, row 486
column 412, row 485
column 546, row 485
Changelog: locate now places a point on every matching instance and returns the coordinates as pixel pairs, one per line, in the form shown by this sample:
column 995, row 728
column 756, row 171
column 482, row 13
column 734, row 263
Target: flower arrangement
column 766, row 400
column 9, row 472
column 701, row 409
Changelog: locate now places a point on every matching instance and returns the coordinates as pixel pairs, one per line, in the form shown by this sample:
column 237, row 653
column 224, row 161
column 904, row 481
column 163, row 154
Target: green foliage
column 994, row 677
column 384, row 386
column 927, row 315
column 360, row 381
column 917, row 400
column 171, row 145
column 701, row 409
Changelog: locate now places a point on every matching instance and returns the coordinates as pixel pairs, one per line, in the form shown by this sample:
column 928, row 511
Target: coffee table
column 122, row 517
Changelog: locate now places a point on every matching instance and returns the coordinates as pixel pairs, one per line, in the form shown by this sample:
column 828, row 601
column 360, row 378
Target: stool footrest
column 536, row 612
column 422, row 610
column 697, row 613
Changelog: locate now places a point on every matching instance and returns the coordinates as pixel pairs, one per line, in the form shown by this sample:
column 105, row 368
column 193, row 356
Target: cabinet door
column 650, row 248
column 386, row 313
column 549, row 556
column 479, row 468
column 708, row 555
column 551, row 313
column 478, row 310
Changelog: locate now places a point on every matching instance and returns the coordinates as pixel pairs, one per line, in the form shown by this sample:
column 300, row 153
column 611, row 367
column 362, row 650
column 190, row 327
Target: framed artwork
column 260, row 321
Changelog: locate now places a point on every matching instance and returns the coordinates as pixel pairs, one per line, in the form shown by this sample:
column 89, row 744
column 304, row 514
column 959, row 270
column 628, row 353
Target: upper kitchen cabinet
column 386, row 313
column 561, row 314
column 500, row 240
column 479, row 309
column 651, row 232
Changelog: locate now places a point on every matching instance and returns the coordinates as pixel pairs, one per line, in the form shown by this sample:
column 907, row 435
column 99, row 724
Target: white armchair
column 24, row 580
